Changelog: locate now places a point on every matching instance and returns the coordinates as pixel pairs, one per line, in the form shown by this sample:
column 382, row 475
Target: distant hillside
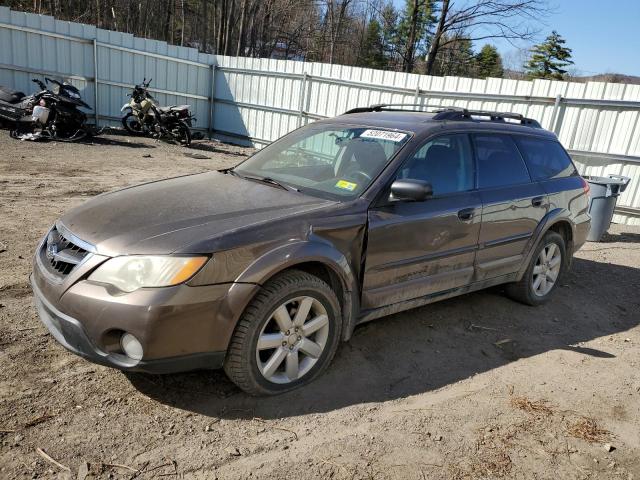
column 602, row 77
column 609, row 77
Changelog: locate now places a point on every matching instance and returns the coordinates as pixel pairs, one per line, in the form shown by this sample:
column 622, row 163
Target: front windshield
column 333, row 161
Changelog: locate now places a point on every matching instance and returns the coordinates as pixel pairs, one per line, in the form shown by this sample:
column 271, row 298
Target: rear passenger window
column 499, row 161
column 545, row 158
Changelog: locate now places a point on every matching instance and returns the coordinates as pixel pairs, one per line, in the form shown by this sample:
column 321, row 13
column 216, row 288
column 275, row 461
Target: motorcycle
column 48, row 114
column 146, row 117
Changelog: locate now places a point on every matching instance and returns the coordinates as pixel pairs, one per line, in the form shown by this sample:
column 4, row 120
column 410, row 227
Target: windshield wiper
column 268, row 180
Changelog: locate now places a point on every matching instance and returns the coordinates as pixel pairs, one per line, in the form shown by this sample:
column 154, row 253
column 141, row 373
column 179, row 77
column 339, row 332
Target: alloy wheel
column 546, row 269
column 292, row 340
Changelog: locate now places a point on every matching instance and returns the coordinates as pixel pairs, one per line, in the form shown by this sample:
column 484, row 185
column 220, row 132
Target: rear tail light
column 585, row 186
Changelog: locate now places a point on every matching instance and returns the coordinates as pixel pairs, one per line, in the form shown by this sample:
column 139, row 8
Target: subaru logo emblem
column 52, row 244
column 52, row 249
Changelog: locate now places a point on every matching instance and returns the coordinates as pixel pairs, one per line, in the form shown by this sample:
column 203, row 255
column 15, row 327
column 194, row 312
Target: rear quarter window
column 545, row 159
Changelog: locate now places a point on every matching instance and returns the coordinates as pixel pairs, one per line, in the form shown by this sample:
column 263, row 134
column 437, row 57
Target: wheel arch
column 557, row 220
column 316, row 258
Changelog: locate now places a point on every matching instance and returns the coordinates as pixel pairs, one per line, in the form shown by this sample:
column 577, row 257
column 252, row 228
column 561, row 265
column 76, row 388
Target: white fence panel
column 262, row 99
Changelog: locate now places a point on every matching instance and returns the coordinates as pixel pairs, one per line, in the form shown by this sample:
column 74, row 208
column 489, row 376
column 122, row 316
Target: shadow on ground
column 114, row 140
column 626, row 237
column 111, row 136
column 428, row 348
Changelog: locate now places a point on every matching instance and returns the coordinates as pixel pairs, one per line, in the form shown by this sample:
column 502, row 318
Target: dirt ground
column 473, row 387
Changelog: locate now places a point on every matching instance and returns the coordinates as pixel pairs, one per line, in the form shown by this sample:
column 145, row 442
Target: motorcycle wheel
column 182, row 134
column 131, row 124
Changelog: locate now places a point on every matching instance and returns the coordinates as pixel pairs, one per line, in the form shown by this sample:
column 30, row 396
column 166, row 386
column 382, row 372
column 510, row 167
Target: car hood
column 170, row 215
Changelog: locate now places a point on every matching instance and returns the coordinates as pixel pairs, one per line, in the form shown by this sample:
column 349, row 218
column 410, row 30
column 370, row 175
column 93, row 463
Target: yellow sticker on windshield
column 344, row 185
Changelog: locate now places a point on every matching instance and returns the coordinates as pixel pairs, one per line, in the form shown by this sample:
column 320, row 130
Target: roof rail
column 449, row 113
column 399, row 107
column 465, row 114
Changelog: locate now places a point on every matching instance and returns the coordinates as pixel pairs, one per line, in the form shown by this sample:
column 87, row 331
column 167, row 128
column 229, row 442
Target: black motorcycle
column 146, row 117
column 49, row 114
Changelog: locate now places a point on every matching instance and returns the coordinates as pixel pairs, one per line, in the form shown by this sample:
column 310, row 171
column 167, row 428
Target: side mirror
column 411, row 190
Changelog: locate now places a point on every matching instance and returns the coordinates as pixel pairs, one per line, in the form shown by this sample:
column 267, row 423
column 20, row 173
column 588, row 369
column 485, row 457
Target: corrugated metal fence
column 262, row 99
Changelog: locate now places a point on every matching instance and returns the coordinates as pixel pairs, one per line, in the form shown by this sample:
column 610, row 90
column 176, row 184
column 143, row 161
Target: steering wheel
column 359, row 175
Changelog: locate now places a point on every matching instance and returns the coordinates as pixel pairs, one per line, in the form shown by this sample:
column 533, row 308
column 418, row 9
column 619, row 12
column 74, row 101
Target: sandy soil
column 473, row 387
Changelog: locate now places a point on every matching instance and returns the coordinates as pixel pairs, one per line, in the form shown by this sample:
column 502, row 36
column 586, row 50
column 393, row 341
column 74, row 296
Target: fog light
column 131, row 346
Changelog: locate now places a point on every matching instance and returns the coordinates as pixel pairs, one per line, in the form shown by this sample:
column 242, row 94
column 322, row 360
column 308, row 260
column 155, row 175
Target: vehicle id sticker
column 344, row 185
column 384, row 135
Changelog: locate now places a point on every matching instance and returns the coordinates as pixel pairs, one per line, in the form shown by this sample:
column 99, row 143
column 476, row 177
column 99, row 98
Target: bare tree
column 484, row 19
column 336, row 13
column 243, row 14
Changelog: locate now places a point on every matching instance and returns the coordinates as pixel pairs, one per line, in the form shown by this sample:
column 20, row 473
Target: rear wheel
column 181, row 134
column 287, row 336
column 545, row 271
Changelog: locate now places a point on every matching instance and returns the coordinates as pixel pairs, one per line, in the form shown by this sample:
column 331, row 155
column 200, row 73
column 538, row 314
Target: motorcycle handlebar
column 40, row 84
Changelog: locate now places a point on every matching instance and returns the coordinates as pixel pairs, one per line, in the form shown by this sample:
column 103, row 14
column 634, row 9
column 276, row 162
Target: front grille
column 60, row 255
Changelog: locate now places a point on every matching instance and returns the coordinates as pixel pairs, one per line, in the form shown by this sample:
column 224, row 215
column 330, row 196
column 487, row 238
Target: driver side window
column 446, row 162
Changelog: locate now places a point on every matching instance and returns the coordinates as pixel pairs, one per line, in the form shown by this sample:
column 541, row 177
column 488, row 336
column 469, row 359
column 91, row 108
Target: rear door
column 416, row 249
column 551, row 165
column 512, row 205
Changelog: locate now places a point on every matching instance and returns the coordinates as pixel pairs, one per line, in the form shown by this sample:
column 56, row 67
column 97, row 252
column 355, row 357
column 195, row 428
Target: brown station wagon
column 265, row 268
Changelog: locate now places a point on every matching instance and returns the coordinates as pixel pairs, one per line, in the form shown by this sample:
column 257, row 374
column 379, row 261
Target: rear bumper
column 580, row 233
column 71, row 334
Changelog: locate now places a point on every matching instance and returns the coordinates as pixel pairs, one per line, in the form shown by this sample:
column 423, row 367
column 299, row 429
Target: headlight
column 130, row 273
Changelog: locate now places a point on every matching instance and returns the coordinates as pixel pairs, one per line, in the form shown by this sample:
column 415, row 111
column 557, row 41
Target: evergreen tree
column 489, row 63
column 389, row 19
column 372, row 48
column 549, row 59
column 415, row 23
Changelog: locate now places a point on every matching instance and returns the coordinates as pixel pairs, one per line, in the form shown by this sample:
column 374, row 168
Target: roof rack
column 503, row 117
column 450, row 113
column 399, row 107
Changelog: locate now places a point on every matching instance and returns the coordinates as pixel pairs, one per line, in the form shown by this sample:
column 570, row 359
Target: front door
column 417, row 249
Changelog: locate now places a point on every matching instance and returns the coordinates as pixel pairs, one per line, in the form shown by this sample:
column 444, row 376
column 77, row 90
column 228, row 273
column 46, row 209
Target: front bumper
column 70, row 333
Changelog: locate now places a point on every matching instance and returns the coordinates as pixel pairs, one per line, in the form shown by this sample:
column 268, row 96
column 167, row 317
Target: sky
column 604, row 35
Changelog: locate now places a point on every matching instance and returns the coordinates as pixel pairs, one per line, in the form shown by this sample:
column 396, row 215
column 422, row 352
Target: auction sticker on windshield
column 384, row 135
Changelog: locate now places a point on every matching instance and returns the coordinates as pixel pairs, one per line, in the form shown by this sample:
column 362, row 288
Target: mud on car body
column 263, row 269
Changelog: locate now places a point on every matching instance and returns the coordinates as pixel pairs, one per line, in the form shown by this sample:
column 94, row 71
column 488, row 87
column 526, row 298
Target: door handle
column 537, row 201
column 466, row 214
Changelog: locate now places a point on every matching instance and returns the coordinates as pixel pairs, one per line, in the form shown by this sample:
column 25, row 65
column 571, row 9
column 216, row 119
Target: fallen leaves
column 533, row 407
column 586, row 428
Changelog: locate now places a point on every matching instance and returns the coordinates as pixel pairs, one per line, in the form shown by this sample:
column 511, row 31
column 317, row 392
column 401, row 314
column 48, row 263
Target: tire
column 183, row 134
column 246, row 365
column 127, row 125
column 525, row 290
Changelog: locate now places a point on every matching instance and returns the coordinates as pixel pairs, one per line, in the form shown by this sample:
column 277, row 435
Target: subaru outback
column 263, row 269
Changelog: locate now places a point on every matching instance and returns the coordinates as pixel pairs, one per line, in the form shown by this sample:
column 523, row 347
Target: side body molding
column 314, row 250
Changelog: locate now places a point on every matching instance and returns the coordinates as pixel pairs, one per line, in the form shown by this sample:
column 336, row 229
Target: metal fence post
column 556, row 119
column 302, row 99
column 95, row 80
column 212, row 99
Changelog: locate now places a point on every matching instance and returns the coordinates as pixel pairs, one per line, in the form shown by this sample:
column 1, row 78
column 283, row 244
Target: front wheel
column 287, row 336
column 547, row 266
column 131, row 124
